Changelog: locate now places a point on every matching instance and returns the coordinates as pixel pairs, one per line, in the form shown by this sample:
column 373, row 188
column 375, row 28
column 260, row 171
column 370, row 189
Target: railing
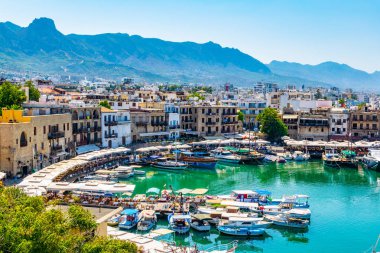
column 229, row 122
column 314, row 124
column 210, row 123
column 188, row 120
column 174, row 127
column 141, row 123
column 229, row 113
column 55, row 135
column 107, row 136
column 229, row 247
column 110, row 123
column 210, row 133
column 56, row 148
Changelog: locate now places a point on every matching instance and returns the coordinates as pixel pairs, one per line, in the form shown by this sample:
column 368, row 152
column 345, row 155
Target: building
column 32, row 142
column 116, row 128
column 339, row 123
column 149, row 124
column 209, row 120
column 313, row 127
column 174, row 123
column 251, row 108
column 364, row 124
column 291, row 121
column 86, row 125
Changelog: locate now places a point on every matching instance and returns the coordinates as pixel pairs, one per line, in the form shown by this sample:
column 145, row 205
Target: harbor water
column 345, row 204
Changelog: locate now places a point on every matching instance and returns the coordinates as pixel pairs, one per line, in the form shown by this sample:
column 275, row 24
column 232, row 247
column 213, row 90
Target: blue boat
column 129, row 218
column 236, row 231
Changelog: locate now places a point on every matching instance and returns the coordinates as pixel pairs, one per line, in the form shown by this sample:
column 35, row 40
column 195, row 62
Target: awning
column 2, row 175
column 199, row 191
column 153, row 134
column 184, row 191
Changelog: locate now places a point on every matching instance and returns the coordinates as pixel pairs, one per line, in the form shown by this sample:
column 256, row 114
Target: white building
column 116, row 128
column 174, row 123
column 338, row 121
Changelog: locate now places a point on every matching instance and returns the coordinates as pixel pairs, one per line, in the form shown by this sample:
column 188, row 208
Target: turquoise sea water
column 345, row 204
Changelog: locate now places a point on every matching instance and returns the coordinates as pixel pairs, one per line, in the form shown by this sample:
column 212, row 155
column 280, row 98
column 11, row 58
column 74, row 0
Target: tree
column 34, row 94
column 11, row 95
column 241, row 116
column 341, row 102
column 105, row 104
column 271, row 124
column 197, row 95
column 318, row 94
column 26, row 225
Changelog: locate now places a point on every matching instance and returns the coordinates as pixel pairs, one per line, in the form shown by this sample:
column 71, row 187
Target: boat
column 250, row 157
column 140, row 173
column 129, row 218
column 300, row 156
column 270, row 159
column 169, row 165
column 124, row 172
column 299, row 213
column 372, row 160
column 284, row 220
column 147, row 220
column 200, row 222
column 226, row 156
column 346, row 158
column 114, row 220
column 179, row 223
column 281, row 159
column 198, row 160
column 245, row 222
column 236, row 231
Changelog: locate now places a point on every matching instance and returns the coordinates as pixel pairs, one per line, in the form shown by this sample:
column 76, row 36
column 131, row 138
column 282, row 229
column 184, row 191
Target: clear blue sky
column 305, row 31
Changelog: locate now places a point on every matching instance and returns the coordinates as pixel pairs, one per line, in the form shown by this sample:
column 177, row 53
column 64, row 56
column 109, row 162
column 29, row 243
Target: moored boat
column 198, row 160
column 236, row 231
column 200, row 222
column 179, row 223
column 287, row 221
column 170, row 165
column 114, row 220
column 300, row 156
column 245, row 222
column 147, row 220
column 372, row 160
column 128, row 219
column 226, row 156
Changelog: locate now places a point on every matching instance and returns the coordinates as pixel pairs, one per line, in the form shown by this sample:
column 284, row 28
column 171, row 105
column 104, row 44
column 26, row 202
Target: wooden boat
column 179, row 223
column 299, row 213
column 200, row 222
column 300, row 156
column 128, row 219
column 147, row 220
column 372, row 160
column 113, row 221
column 347, row 158
column 226, row 156
column 287, row 221
column 245, row 222
column 198, row 160
column 237, row 231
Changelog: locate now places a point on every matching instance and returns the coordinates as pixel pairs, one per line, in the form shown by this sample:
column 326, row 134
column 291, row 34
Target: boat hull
column 241, row 231
column 204, row 228
column 178, row 168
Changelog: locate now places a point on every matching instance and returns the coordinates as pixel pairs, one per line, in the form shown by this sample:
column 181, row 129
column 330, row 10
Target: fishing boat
column 114, row 220
column 284, row 220
column 169, row 165
column 236, row 231
column 124, row 172
column 346, row 158
column 270, row 159
column 372, row 160
column 179, row 223
column 225, row 156
column 300, row 156
column 299, row 213
column 245, row 222
column 139, row 173
column 198, row 160
column 281, row 159
column 147, row 220
column 200, row 222
column 129, row 218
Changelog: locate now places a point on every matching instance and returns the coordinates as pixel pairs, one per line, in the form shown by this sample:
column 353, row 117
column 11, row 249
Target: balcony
column 97, row 129
column 108, row 136
column 174, row 127
column 141, row 123
column 229, row 113
column 110, row 123
column 56, row 135
column 124, row 121
column 188, row 120
column 56, row 148
column 209, row 123
column 210, row 133
column 229, row 122
column 211, row 113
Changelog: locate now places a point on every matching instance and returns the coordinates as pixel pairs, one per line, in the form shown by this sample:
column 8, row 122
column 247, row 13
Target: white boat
column 226, row 156
column 124, row 172
column 299, row 213
column 140, row 173
column 287, row 156
column 270, row 158
column 179, row 223
column 300, row 156
column 170, row 165
column 372, row 160
column 200, row 222
column 129, row 218
column 114, row 220
column 287, row 221
column 147, row 220
column 274, row 209
column 245, row 222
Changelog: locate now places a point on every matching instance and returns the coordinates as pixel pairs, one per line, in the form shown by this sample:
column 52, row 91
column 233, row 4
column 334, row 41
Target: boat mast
column 249, row 134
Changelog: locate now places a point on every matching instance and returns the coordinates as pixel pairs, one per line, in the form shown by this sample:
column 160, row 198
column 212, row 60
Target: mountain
column 340, row 75
column 40, row 47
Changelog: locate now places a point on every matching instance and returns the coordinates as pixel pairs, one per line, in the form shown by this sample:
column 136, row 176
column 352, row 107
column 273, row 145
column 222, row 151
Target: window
column 44, row 129
column 23, row 140
column 64, row 127
column 35, row 131
column 42, row 145
column 68, row 126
